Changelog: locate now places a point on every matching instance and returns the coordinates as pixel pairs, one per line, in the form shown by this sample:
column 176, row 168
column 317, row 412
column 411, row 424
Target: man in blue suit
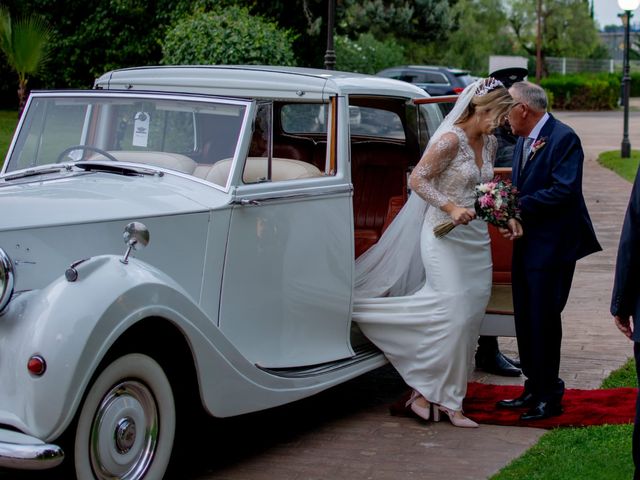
column 557, row 231
column 625, row 299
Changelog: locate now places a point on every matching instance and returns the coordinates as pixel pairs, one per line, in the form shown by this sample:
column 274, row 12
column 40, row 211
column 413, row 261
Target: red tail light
column 36, row 365
column 458, row 90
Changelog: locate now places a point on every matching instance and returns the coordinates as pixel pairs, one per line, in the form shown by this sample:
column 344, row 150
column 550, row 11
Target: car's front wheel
column 127, row 422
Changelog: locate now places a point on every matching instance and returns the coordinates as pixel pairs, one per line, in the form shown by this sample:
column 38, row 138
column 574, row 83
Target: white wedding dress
column 424, row 306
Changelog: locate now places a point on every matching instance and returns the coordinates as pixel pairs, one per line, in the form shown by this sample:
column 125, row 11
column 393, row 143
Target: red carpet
column 581, row 407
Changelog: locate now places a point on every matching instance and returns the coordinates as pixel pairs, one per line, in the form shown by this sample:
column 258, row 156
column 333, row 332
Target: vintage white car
column 253, row 190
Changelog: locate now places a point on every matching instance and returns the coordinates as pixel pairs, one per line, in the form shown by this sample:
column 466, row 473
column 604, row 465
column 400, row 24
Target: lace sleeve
column 434, row 161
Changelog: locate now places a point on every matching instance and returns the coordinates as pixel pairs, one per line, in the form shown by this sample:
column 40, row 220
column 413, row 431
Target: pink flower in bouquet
column 486, row 201
column 496, row 202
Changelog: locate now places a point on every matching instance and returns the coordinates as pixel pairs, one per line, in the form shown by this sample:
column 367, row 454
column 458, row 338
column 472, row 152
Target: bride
column 419, row 298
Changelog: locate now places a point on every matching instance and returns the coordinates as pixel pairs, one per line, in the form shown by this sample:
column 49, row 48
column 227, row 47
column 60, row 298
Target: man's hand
column 513, row 230
column 624, row 325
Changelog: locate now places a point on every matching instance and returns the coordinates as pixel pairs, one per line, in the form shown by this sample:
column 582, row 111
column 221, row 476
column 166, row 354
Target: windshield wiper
column 110, row 167
column 32, row 172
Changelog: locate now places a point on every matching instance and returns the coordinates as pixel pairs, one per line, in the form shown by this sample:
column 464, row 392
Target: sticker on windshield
column 141, row 129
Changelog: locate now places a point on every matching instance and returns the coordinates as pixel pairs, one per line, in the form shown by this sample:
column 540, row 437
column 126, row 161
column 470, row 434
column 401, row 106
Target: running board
column 362, row 353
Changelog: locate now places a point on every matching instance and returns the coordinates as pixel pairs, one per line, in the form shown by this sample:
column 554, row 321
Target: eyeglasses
column 514, row 106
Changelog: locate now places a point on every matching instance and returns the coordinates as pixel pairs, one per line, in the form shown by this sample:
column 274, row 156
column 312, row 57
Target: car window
column 375, row 122
column 167, row 131
column 429, row 77
column 297, row 149
column 397, row 74
column 304, row 118
column 183, row 135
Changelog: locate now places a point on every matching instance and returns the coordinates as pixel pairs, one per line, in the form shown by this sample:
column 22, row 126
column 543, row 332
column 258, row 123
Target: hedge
column 228, row 36
column 583, row 91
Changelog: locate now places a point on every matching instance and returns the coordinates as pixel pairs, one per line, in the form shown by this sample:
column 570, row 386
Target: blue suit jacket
column 625, row 299
column 557, row 227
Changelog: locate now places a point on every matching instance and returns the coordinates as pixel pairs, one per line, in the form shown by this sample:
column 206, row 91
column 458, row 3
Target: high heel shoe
column 422, row 412
column 457, row 421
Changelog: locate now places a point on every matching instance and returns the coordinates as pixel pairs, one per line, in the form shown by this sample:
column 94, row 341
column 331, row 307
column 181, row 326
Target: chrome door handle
column 245, row 201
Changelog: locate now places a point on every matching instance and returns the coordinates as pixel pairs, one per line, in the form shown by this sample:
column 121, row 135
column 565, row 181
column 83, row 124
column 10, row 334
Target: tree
column 480, row 30
column 110, row 34
column 366, row 54
column 25, row 43
column 420, row 26
column 567, row 29
column 227, row 36
column 426, row 20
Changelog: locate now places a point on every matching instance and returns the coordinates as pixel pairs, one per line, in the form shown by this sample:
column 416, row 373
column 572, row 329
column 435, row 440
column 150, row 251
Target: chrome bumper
column 23, row 452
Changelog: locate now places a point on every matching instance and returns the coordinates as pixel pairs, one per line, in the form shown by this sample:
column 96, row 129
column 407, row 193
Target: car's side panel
column 47, row 322
column 286, row 288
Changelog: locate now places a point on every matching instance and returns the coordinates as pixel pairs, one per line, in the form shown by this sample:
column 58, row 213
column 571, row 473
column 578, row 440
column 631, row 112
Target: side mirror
column 136, row 237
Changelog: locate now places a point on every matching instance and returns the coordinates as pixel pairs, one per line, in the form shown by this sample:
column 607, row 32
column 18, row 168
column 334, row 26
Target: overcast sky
column 606, row 12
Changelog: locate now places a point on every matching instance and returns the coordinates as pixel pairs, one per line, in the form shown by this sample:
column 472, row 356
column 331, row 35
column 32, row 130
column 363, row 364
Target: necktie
column 526, row 147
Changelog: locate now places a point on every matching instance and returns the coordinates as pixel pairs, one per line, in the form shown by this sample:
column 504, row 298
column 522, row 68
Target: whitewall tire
column 127, row 422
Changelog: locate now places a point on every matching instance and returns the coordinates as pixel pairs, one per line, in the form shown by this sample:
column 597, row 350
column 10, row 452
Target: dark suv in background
column 434, row 79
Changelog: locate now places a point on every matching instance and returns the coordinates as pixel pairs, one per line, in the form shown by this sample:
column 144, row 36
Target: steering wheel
column 67, row 151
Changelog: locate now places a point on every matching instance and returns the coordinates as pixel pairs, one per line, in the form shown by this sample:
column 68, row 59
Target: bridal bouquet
column 496, row 202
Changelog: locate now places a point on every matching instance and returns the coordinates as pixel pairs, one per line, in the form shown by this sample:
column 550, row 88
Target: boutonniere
column 537, row 145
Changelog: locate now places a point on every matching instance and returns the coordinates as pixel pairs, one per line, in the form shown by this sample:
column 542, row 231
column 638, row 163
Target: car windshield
column 174, row 133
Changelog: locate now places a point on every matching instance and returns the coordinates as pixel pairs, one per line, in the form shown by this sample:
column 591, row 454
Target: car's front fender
column 72, row 325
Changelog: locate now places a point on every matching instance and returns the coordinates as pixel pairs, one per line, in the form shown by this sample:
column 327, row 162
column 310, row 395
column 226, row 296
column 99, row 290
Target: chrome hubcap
column 124, row 432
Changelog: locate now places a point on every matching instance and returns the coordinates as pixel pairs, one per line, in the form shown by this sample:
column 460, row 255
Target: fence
column 564, row 65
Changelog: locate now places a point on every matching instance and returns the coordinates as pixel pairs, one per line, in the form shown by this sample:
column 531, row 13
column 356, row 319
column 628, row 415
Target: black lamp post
column 627, row 6
column 330, row 54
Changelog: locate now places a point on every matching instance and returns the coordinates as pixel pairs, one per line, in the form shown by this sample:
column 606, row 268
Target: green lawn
column 625, row 167
column 8, row 122
column 602, row 452
column 591, row 453
column 625, row 376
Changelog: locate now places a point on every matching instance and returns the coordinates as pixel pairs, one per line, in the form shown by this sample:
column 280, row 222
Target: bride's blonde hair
column 494, row 97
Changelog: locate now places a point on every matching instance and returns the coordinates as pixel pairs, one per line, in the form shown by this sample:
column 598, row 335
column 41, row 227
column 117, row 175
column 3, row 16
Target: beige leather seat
column 256, row 170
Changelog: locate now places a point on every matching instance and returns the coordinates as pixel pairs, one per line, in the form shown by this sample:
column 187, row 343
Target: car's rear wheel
column 127, row 422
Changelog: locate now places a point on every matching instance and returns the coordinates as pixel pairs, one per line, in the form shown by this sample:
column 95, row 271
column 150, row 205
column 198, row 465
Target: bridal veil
column 393, row 267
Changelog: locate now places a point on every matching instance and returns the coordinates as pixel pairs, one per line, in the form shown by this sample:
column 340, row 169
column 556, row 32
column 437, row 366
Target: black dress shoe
column 542, row 410
column 515, row 363
column 495, row 362
column 524, row 400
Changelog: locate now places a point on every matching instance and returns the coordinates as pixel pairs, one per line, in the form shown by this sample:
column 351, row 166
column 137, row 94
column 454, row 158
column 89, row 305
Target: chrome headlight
column 6, row 279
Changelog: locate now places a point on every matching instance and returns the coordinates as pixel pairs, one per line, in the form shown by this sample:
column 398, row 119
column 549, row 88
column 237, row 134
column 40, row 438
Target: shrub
column 583, row 91
column 366, row 54
column 232, row 36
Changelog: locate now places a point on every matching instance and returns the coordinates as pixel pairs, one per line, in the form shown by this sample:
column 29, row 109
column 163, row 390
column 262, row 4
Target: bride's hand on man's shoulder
column 513, row 231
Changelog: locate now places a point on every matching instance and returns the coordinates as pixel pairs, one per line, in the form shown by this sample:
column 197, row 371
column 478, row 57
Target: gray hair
column 531, row 94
